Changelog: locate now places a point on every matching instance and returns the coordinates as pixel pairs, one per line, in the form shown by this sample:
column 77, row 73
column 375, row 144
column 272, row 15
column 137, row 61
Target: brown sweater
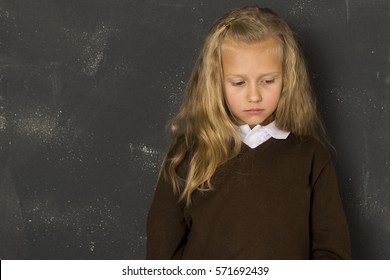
column 277, row 201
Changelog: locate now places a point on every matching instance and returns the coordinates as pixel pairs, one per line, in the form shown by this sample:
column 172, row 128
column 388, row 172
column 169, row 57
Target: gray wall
column 86, row 90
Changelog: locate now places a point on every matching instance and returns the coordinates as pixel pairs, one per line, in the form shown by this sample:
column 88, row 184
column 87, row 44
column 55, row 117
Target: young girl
column 247, row 175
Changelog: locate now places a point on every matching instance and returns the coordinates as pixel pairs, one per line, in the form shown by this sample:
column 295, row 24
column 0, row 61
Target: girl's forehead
column 269, row 44
column 254, row 59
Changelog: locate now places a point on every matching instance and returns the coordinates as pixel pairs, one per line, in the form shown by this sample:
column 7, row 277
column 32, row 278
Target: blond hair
column 204, row 132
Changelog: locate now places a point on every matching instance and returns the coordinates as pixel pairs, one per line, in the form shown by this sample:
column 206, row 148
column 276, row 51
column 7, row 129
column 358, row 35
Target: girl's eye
column 237, row 84
column 269, row 81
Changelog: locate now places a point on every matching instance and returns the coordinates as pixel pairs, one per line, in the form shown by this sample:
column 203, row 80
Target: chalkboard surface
column 86, row 90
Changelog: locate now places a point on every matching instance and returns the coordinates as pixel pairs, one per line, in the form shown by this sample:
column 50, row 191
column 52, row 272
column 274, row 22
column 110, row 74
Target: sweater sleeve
column 329, row 230
column 166, row 227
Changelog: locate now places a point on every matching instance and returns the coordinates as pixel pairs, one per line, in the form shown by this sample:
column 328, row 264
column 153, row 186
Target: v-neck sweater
column 279, row 200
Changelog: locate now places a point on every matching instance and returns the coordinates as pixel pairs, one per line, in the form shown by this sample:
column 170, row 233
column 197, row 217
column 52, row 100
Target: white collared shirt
column 259, row 134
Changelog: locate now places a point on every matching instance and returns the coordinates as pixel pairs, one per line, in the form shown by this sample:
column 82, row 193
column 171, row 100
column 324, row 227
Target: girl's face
column 252, row 79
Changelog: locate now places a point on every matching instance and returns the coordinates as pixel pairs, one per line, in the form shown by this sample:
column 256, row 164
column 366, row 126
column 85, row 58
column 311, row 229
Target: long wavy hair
column 204, row 132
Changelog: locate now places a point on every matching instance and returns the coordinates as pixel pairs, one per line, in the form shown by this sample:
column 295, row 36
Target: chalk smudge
column 3, row 117
column 38, row 124
column 300, row 7
column 87, row 221
column 363, row 108
column 92, row 46
column 174, row 88
column 348, row 10
column 144, row 157
column 365, row 170
column 6, row 18
column 93, row 52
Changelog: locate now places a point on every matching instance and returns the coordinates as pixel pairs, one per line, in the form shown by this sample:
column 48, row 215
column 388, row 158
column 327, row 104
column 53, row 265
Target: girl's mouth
column 254, row 111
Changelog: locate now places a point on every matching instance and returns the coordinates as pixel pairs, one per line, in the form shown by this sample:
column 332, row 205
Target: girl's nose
column 254, row 95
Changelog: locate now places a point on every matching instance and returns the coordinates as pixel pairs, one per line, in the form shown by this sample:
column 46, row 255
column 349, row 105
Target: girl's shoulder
column 310, row 146
column 178, row 151
column 177, row 146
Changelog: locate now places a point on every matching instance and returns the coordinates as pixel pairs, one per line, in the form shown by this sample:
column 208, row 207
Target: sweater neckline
column 264, row 146
column 257, row 135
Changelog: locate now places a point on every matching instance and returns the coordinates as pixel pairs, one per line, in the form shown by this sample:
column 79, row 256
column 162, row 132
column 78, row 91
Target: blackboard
column 88, row 86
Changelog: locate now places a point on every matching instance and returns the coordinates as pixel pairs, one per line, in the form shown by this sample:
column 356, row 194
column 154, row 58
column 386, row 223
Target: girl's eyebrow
column 261, row 76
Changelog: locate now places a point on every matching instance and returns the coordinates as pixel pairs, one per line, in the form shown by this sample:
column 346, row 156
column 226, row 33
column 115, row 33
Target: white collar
column 259, row 134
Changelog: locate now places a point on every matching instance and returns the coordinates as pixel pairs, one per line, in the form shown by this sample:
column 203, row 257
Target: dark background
column 86, row 90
